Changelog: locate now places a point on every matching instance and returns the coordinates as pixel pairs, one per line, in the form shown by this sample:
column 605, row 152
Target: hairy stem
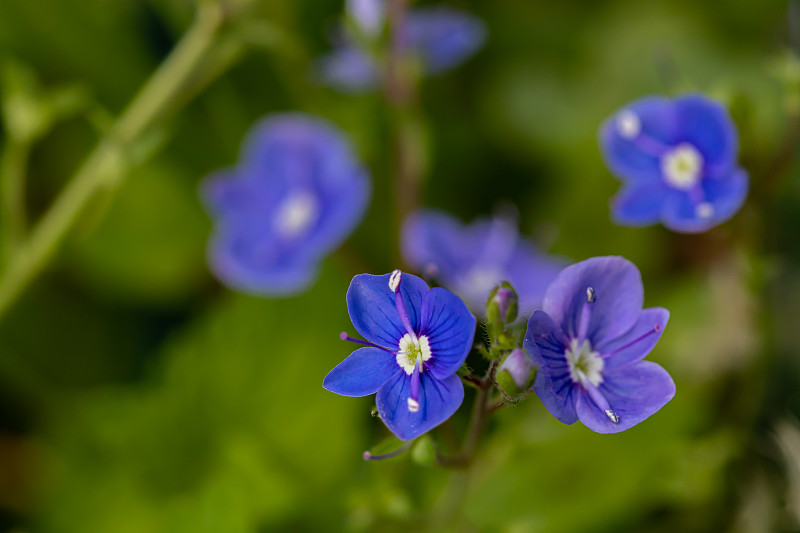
column 13, row 168
column 104, row 165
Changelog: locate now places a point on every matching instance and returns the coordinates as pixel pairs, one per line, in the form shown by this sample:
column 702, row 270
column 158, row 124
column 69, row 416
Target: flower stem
column 104, row 166
column 407, row 130
column 13, row 168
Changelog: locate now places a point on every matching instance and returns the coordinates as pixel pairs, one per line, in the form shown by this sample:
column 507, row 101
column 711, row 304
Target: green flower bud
column 502, row 305
column 516, row 373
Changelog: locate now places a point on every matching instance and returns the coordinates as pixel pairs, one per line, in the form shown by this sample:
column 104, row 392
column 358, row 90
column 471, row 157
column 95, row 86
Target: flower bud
column 502, row 304
column 516, row 373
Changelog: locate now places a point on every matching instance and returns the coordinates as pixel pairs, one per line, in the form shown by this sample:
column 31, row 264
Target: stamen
column 394, row 280
column 413, row 397
column 656, row 329
column 704, row 210
column 402, row 449
column 394, row 285
column 628, row 124
column 601, row 402
column 345, row 337
column 586, row 314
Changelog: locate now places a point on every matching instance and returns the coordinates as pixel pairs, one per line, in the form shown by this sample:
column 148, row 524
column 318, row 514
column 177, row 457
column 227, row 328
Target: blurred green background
column 138, row 395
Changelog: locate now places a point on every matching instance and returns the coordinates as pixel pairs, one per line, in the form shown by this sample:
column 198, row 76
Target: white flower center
column 411, row 350
column 682, row 167
column 585, row 365
column 628, row 125
column 297, row 213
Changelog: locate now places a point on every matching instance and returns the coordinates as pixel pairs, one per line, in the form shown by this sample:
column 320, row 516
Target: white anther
column 394, row 280
column 704, row 210
column 413, row 405
column 628, row 124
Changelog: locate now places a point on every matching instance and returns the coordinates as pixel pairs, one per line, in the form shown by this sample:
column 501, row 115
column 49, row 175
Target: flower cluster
column 298, row 191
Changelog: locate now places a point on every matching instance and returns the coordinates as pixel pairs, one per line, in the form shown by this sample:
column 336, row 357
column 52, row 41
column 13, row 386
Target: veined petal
column 450, row 329
column 619, row 296
column 546, row 342
column 438, row 400
column 372, row 309
column 639, row 204
column 362, row 373
column 707, row 125
column 645, row 330
column 633, row 391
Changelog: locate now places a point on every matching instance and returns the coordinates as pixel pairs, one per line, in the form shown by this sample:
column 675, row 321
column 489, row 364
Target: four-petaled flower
column 441, row 38
column 589, row 342
column 678, row 161
column 296, row 194
column 417, row 338
column 470, row 260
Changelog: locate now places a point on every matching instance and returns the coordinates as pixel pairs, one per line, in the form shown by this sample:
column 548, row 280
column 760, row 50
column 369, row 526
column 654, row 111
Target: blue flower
column 296, row 194
column 470, row 260
column 417, row 338
column 678, row 162
column 589, row 342
column 441, row 38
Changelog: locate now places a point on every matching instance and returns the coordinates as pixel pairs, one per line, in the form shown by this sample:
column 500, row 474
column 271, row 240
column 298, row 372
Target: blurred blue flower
column 296, row 194
column 678, row 162
column 441, row 38
column 471, row 259
column 417, row 338
column 589, row 342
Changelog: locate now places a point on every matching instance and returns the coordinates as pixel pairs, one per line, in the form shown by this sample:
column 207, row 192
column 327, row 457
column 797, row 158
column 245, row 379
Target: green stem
column 103, row 166
column 12, row 195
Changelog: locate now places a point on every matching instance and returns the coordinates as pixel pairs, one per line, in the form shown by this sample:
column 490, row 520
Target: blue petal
column 362, row 373
column 371, row 305
column 438, row 400
column 227, row 194
column 348, row 69
column 450, row 329
column 444, row 37
column 434, row 239
column 707, row 125
column 255, row 263
column 726, row 195
column 633, row 391
column 648, row 320
column 471, row 259
column 345, row 204
column 624, row 157
column 368, row 14
column 546, row 342
column 531, row 272
column 618, row 288
column 639, row 204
